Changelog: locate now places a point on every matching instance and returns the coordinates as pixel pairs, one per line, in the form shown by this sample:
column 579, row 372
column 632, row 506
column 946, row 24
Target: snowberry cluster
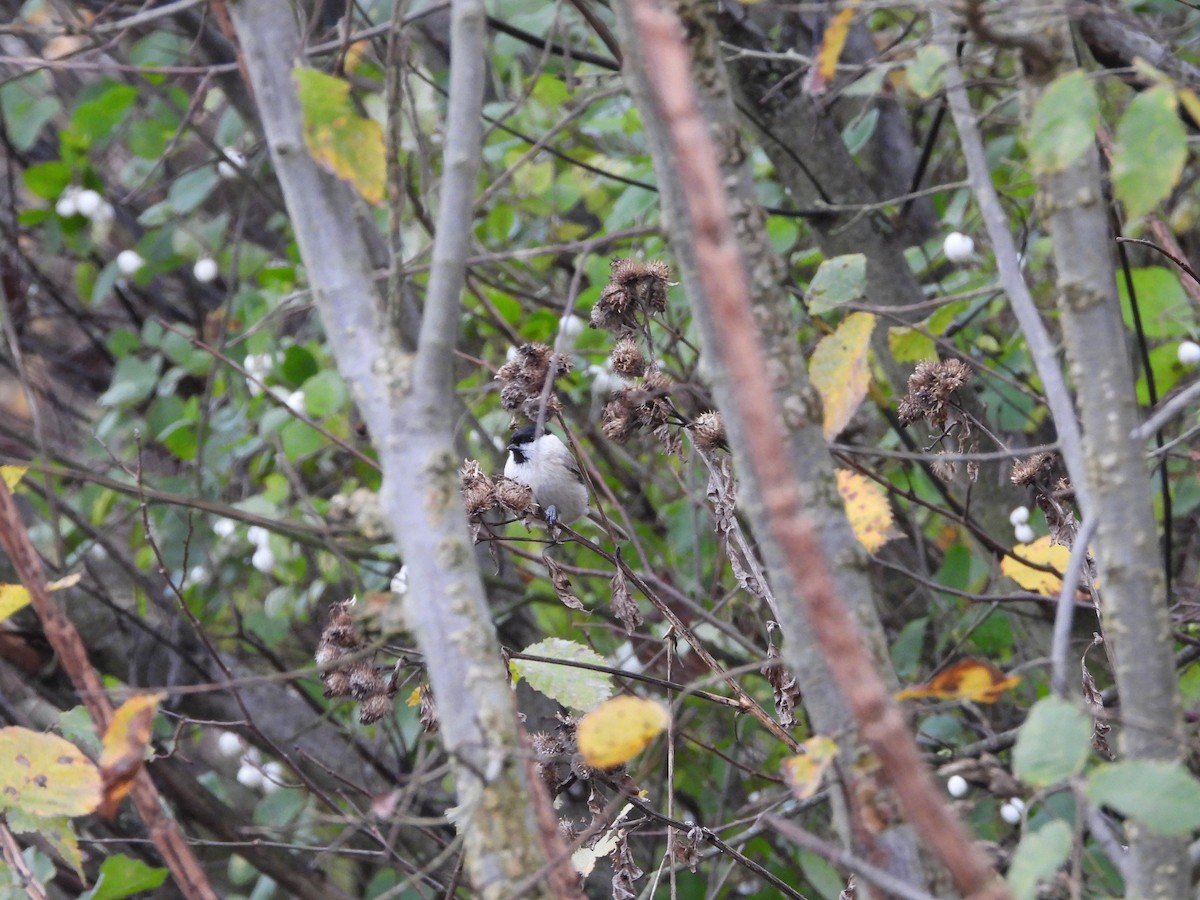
column 1019, row 519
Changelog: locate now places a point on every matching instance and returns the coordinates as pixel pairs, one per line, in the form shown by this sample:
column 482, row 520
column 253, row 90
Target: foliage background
column 195, row 454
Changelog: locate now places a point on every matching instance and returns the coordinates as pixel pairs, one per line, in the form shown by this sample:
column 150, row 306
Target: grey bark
column 1114, row 470
column 405, row 399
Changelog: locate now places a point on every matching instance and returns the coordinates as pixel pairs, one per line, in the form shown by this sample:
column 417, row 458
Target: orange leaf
column 803, row 772
column 817, row 80
column 619, row 729
column 839, row 372
column 867, row 508
column 125, row 743
column 968, row 679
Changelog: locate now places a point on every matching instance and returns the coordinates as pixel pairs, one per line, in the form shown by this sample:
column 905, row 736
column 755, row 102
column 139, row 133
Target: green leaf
column 124, row 876
column 1163, row 796
column 1053, row 744
column 1038, row 856
column 133, row 381
column 47, row 180
column 99, row 115
column 1164, row 306
column 298, row 365
column 924, row 73
column 1149, row 151
column 325, row 394
column 839, row 280
column 575, row 688
column 339, row 139
column 26, row 113
column 857, row 133
column 189, row 190
column 56, row 830
column 910, row 344
column 300, row 440
column 818, row 872
column 1063, row 123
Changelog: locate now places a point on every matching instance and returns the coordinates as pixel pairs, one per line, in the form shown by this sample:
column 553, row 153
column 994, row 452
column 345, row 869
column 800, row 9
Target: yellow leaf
column 839, row 372
column 14, row 596
column 867, row 508
column 968, row 679
column 12, row 475
column 1044, row 553
column 803, row 772
column 347, row 144
column 619, row 729
column 414, row 699
column 823, row 69
column 125, row 742
column 44, row 775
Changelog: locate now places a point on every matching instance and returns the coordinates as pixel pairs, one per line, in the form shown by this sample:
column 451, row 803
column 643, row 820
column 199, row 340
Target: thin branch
column 725, row 281
column 1041, row 347
column 462, row 160
column 1065, row 612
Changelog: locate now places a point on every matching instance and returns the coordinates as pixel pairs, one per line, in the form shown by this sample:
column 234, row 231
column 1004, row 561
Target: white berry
column 263, row 559
column 1018, row 516
column 88, row 203
column 1189, row 353
column 68, row 203
column 1010, row 814
column 229, row 744
column 958, row 247
column 129, row 261
column 250, row 777
column 399, row 583
column 1017, row 803
column 231, row 164
column 205, row 269
column 1024, row 533
column 570, row 327
column 957, row 785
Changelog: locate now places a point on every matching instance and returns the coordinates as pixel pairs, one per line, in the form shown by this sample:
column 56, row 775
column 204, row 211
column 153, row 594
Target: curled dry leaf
column 624, row 607
column 562, row 584
column 125, row 742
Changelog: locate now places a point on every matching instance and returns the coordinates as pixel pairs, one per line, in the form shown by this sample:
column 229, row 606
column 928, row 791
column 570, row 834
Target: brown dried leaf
column 562, row 584
column 624, row 607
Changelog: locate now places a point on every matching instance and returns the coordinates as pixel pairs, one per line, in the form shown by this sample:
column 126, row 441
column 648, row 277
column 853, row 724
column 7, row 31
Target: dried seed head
column 929, row 390
column 513, row 394
column 365, row 681
column 337, row 684
column 478, row 491
column 618, row 418
column 1026, row 471
column 644, row 283
column 514, row 495
column 628, row 359
column 632, row 284
column 708, row 431
column 532, row 407
column 523, row 378
column 374, row 708
column 428, row 710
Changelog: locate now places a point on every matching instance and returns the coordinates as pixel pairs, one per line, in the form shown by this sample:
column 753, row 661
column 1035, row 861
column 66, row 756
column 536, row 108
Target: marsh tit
column 548, row 467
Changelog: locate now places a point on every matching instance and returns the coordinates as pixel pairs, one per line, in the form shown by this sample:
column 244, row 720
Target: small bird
column 548, row 467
